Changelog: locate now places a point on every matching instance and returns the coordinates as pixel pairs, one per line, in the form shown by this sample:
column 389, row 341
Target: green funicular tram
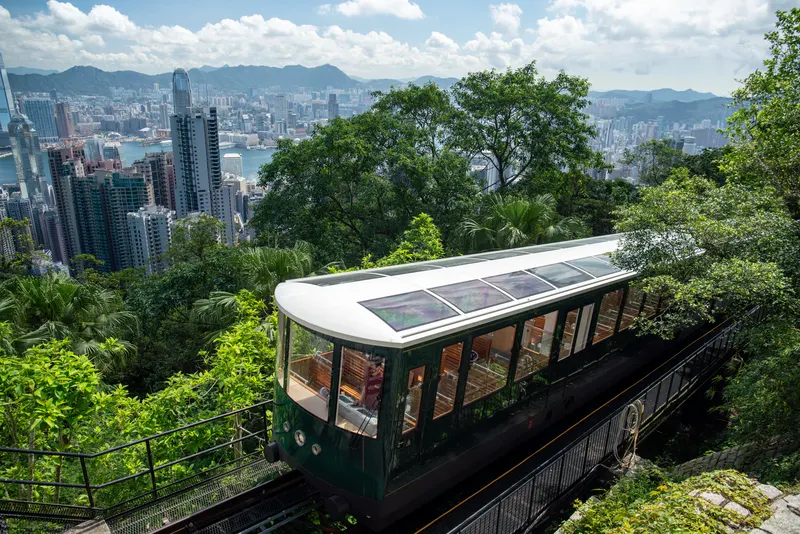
column 394, row 384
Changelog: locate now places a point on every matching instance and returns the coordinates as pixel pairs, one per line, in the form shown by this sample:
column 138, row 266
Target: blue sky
column 631, row 44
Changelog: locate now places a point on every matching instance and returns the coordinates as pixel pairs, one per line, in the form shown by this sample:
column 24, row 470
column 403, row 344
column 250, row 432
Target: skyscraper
column 53, row 235
column 163, row 116
column 232, row 164
column 333, row 107
column 198, row 174
column 66, row 166
column 149, row 235
column 64, row 120
column 162, row 170
column 181, row 92
column 41, row 112
column 28, row 156
column 281, row 110
column 121, row 192
column 6, row 99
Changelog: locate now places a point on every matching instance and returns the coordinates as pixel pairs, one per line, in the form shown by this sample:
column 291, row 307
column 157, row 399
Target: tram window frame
column 280, row 357
column 308, row 403
column 584, row 327
column 634, row 292
column 501, row 383
column 416, row 378
column 453, row 375
column 608, row 327
column 545, row 343
column 368, row 426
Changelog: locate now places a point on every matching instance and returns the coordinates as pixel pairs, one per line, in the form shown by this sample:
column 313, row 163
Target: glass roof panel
column 519, row 284
column 500, row 254
column 594, row 266
column 408, row 310
column 405, row 269
column 458, row 260
column 561, row 274
column 471, row 296
column 338, row 279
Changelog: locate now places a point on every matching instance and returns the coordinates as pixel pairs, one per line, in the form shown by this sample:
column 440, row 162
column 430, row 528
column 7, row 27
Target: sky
column 706, row 45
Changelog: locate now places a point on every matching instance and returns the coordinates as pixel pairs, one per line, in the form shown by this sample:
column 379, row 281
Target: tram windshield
column 310, row 366
column 360, row 389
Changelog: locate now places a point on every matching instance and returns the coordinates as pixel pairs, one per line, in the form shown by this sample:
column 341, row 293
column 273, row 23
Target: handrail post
column 264, row 420
column 150, row 467
column 86, row 482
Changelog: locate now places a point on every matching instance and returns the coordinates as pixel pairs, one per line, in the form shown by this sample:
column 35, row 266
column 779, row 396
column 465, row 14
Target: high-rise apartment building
column 198, row 172
column 93, row 149
column 42, row 113
column 333, row 107
column 53, row 235
column 149, row 236
column 181, row 92
column 121, row 192
column 281, row 111
column 66, row 167
column 162, row 171
column 64, row 120
column 228, row 204
column 163, row 118
column 232, row 164
column 28, row 157
column 6, row 98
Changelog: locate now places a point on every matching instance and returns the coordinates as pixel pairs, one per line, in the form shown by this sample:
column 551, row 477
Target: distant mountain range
column 658, row 95
column 29, row 70
column 94, row 81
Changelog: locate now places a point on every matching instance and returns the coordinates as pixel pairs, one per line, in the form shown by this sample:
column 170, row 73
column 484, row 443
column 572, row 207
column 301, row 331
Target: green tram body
column 382, row 479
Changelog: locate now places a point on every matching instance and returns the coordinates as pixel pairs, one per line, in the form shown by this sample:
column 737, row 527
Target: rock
column 793, row 503
column 737, row 509
column 778, row 504
column 95, row 526
column 713, row 498
column 694, row 493
column 783, row 522
column 771, row 492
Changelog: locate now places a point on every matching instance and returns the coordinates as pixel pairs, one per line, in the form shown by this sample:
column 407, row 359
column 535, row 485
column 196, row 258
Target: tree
column 510, row 222
column 763, row 130
column 695, row 243
column 422, row 241
column 194, row 237
column 527, row 124
column 56, row 307
column 654, row 160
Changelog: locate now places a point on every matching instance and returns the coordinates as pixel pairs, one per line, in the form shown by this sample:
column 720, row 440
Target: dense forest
column 100, row 359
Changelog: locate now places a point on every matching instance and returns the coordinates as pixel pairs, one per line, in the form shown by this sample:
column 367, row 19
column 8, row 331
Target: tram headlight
column 316, row 449
column 299, row 438
column 286, row 426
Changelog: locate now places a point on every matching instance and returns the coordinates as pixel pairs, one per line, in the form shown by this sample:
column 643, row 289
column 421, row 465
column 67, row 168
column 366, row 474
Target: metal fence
column 80, row 486
column 526, row 502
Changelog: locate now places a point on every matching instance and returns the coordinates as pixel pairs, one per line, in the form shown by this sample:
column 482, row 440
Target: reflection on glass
column 488, row 366
column 631, row 309
column 569, row 334
column 595, row 266
column 413, row 398
column 359, row 392
column 561, row 274
column 408, row 310
column 471, row 296
column 583, row 328
column 537, row 340
column 519, row 284
column 448, row 380
column 607, row 316
column 310, row 361
column 280, row 352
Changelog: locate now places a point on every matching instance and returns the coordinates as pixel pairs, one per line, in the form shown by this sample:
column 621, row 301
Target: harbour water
column 252, row 160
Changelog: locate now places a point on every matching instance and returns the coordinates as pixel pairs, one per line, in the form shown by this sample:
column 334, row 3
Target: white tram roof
column 409, row 304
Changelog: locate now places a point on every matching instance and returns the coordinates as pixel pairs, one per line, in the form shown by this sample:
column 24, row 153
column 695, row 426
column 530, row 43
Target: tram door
column 414, row 388
column 441, row 409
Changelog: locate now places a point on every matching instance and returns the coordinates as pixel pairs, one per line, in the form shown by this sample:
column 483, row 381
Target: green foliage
column 654, row 160
column 648, row 502
column 510, row 221
column 194, row 237
column 528, row 124
column 766, row 140
column 422, row 241
column 695, row 243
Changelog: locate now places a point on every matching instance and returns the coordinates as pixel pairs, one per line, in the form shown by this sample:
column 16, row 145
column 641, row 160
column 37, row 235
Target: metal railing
column 80, row 486
column 525, row 503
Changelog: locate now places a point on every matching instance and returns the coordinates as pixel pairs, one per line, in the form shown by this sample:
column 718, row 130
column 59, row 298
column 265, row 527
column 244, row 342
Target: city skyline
column 624, row 44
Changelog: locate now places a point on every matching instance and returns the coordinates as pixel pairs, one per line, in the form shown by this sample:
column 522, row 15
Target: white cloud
column 506, row 18
column 404, row 9
column 616, row 43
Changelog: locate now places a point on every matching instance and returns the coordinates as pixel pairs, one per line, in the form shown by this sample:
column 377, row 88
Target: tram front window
column 360, row 392
column 537, row 340
column 310, row 361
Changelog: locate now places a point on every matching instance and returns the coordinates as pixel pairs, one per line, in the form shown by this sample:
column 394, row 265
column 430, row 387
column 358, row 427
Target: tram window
column 569, row 335
column 607, row 316
column 280, row 354
column 310, row 363
column 359, row 392
column 413, row 398
column 489, row 361
column 448, row 380
column 583, row 328
column 631, row 309
column 650, row 305
column 537, row 340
